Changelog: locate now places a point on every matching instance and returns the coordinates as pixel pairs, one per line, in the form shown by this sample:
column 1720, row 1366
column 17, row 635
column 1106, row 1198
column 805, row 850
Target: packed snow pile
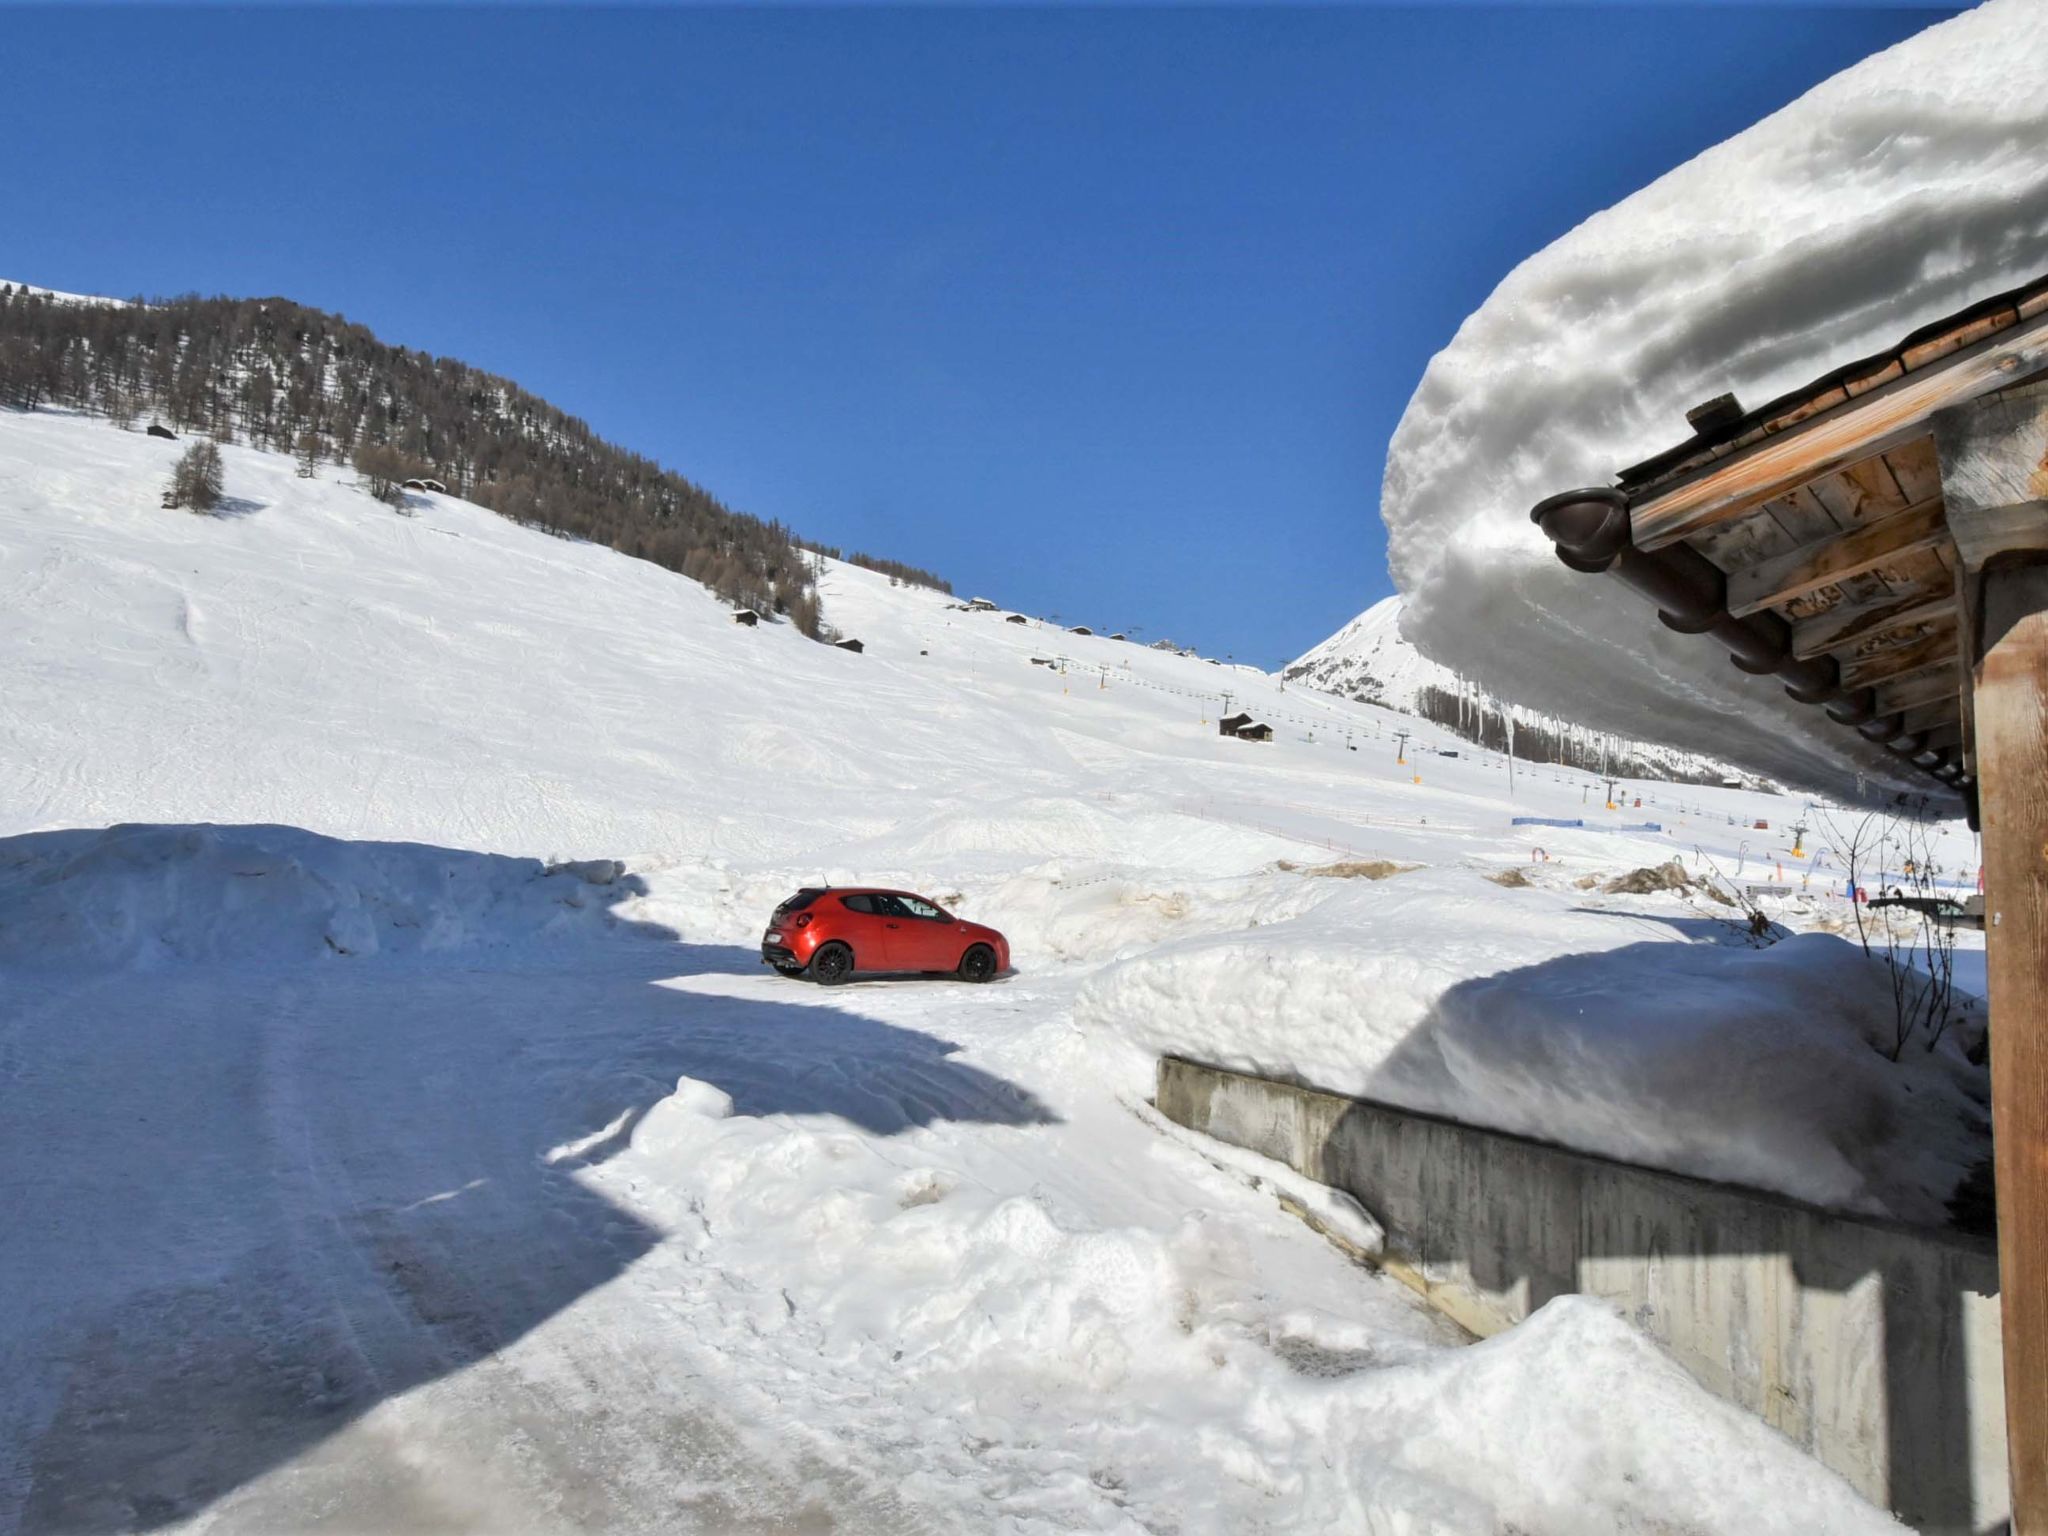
column 1609, row 1032
column 974, row 1302
column 1893, row 194
column 145, row 895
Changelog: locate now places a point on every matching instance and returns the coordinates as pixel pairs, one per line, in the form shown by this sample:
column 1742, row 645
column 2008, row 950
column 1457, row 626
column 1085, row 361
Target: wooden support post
column 1994, row 471
column 2012, row 780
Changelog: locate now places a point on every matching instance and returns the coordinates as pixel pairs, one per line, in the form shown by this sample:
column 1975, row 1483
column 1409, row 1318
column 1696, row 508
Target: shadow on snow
column 246, row 1204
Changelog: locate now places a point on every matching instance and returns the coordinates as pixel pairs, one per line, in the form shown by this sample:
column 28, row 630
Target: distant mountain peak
column 1367, row 660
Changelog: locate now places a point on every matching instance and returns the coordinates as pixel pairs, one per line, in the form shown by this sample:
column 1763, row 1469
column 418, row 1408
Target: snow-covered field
column 397, row 1130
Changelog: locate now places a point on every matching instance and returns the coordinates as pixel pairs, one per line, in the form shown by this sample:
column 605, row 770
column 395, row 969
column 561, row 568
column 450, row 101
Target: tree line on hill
column 896, row 570
column 290, row 379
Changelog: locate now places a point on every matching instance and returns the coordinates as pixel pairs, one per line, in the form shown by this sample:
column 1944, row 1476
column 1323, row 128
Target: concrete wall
column 1875, row 1346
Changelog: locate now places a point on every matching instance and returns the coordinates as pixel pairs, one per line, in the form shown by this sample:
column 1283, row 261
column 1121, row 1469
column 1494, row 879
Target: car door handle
column 892, row 925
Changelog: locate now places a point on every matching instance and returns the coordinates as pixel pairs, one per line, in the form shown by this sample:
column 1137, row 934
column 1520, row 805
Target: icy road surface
column 316, row 1262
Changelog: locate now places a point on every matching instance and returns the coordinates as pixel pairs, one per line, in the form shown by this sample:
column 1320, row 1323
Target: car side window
column 920, row 908
column 889, row 906
column 858, row 904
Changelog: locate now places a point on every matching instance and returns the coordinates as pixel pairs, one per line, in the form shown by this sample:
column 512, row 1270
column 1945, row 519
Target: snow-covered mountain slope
column 396, row 1118
column 1368, row 660
column 1894, row 194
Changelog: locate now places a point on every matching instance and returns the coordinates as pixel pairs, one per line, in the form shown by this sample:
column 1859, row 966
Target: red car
column 833, row 933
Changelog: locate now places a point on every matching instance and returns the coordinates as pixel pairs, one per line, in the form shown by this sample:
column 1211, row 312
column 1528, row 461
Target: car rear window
column 800, row 900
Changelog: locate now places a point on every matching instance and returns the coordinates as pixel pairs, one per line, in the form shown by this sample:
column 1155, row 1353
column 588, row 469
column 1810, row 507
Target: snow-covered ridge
column 61, row 297
column 1893, row 194
column 170, row 895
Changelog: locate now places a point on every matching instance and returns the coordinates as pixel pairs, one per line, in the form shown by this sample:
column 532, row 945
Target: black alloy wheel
column 831, row 965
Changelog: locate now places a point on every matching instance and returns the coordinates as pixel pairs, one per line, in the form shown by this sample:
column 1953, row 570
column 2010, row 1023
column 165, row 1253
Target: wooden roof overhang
column 1810, row 537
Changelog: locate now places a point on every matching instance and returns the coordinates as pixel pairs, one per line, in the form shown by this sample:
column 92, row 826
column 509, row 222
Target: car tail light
column 803, row 920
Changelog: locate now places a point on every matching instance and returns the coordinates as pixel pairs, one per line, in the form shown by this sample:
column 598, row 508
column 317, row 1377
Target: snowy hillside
column 1898, row 192
column 396, row 1119
column 1368, row 660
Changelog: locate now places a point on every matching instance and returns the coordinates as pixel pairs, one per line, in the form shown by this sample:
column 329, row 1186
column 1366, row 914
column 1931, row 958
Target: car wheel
column 831, row 965
column 978, row 964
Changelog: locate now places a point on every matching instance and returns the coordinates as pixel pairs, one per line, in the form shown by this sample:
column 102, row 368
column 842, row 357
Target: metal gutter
column 1591, row 531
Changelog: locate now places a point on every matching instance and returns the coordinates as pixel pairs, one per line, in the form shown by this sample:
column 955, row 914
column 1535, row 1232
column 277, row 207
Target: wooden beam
column 1870, row 423
column 1994, row 470
column 1943, row 714
column 1931, row 653
column 1835, row 558
column 1847, row 623
column 1906, row 693
column 1994, row 473
column 2012, row 790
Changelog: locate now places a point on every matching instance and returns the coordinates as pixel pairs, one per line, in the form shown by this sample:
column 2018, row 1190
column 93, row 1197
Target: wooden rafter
column 1905, row 693
column 1835, row 558
column 1936, row 651
column 1852, row 429
column 1933, row 717
column 1846, row 624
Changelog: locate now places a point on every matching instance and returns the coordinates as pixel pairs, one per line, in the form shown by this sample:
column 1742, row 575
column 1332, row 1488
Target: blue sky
column 1103, row 312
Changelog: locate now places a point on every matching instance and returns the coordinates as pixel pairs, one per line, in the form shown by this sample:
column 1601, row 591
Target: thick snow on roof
column 1888, row 197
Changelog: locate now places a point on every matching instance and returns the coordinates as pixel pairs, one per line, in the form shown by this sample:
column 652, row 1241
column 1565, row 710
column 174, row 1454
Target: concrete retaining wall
column 1875, row 1346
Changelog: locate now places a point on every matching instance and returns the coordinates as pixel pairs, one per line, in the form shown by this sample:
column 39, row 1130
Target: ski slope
column 397, row 1129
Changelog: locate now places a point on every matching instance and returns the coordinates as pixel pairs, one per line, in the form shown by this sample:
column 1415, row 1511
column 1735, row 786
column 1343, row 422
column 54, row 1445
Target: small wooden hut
column 849, row 644
column 746, row 616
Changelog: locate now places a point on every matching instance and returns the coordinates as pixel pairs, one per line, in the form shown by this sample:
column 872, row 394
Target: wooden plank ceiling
column 1825, row 508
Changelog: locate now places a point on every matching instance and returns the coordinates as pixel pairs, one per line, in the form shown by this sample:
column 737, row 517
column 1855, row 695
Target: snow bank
column 1895, row 193
column 1760, row 1067
column 995, row 1316
column 146, row 895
